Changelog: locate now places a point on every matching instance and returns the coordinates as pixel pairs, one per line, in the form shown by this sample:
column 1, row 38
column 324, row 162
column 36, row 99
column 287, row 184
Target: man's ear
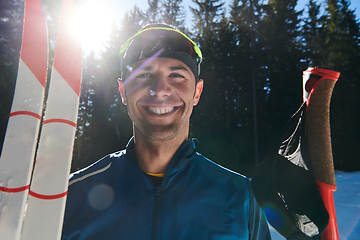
column 122, row 91
column 198, row 90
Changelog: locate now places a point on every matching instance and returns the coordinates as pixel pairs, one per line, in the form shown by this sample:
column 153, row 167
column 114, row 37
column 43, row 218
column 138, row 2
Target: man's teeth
column 160, row 111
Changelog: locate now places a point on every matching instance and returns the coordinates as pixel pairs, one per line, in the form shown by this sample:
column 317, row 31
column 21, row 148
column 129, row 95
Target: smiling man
column 159, row 187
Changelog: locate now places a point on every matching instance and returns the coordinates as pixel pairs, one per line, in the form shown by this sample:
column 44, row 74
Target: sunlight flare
column 92, row 24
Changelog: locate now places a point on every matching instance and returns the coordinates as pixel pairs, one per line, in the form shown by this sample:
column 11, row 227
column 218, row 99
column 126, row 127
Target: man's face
column 160, row 97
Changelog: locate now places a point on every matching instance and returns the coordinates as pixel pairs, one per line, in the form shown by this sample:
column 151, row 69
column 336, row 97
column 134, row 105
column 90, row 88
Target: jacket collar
column 182, row 156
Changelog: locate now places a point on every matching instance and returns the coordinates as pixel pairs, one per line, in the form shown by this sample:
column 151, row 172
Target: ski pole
column 22, row 131
column 318, row 85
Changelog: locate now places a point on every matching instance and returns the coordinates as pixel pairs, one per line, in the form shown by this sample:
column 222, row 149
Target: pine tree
column 131, row 23
column 245, row 18
column 311, row 34
column 340, row 35
column 206, row 17
column 152, row 14
column 82, row 146
column 173, row 13
column 215, row 121
column 11, row 16
column 282, row 55
column 120, row 127
column 103, row 125
column 340, row 51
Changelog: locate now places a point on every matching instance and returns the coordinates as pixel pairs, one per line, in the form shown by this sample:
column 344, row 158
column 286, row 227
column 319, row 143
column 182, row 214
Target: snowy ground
column 347, row 205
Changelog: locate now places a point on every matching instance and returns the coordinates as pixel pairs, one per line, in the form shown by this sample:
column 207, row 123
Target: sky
column 120, row 7
column 347, row 206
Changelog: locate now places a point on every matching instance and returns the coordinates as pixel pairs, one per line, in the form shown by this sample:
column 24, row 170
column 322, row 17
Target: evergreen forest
column 254, row 54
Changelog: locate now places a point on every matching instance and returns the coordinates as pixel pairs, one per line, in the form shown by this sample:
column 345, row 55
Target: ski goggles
column 167, row 42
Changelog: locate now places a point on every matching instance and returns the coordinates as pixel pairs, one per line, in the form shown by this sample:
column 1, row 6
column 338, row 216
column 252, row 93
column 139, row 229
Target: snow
column 347, row 206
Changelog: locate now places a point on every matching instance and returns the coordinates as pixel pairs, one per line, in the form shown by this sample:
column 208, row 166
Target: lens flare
column 274, row 217
column 101, row 197
column 129, row 68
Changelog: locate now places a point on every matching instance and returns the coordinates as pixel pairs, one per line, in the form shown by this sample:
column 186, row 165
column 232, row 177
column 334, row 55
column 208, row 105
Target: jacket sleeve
column 258, row 225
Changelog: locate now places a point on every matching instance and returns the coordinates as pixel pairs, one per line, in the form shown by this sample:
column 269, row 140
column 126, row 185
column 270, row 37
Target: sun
column 92, row 24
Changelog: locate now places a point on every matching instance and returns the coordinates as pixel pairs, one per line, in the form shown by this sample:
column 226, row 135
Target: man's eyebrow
column 174, row 68
column 146, row 68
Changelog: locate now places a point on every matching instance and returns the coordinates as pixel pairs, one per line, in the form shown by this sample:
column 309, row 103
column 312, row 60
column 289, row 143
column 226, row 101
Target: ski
column 48, row 189
column 20, row 141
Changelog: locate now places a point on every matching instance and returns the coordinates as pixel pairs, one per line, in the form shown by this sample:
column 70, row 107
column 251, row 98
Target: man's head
column 160, row 82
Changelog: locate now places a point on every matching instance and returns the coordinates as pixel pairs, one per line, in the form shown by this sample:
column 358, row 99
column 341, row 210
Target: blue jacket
column 197, row 199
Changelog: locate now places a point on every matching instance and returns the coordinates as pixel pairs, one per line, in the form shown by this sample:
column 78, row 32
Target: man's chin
column 160, row 132
column 162, row 135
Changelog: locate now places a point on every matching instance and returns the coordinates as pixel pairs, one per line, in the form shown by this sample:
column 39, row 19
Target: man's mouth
column 161, row 111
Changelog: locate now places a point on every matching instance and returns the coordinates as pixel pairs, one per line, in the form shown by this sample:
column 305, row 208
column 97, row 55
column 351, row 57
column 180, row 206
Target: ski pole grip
column 318, row 85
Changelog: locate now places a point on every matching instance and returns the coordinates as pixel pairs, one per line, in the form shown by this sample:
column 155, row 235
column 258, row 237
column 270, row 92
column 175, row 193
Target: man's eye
column 175, row 75
column 143, row 76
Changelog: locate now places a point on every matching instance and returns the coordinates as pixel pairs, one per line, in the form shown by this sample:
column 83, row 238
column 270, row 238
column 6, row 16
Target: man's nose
column 160, row 87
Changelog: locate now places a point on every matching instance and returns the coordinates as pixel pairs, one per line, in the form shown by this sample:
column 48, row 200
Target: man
column 159, row 187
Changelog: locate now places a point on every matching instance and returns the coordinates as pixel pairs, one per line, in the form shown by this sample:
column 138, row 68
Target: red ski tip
column 34, row 40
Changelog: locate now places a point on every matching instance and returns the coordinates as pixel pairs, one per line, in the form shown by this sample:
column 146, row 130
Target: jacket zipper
column 156, row 220
column 157, row 215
